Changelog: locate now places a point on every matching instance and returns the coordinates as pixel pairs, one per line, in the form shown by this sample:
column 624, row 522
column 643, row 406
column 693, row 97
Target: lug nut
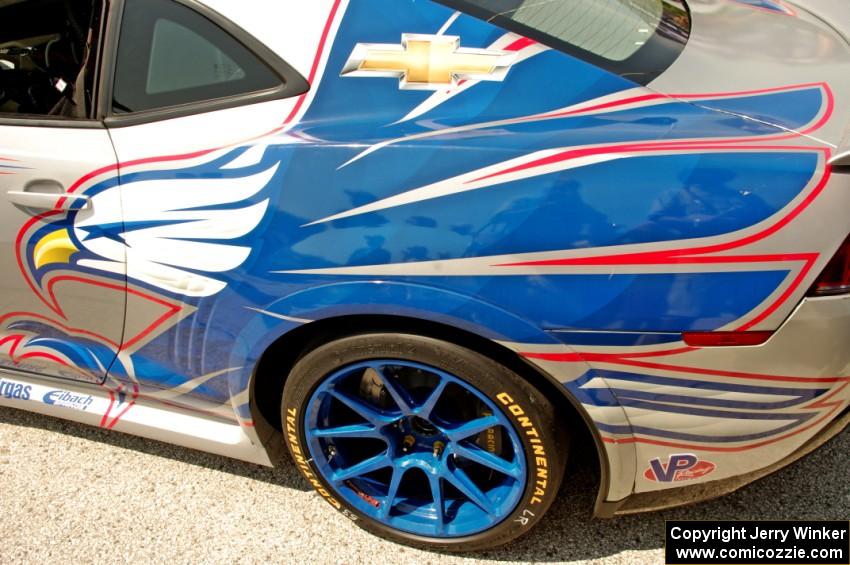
column 438, row 448
column 409, row 441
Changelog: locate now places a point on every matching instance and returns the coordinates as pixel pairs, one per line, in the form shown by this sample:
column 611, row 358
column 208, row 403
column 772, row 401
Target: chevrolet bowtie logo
column 428, row 62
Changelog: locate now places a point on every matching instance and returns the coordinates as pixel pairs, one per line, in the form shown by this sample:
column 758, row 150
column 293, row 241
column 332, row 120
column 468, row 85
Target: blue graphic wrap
column 696, row 399
column 680, row 173
column 668, row 197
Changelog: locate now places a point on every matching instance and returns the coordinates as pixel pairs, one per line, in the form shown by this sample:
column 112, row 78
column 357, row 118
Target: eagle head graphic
column 177, row 233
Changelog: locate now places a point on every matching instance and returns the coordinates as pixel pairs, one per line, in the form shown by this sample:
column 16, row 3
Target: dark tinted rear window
column 638, row 39
column 170, row 55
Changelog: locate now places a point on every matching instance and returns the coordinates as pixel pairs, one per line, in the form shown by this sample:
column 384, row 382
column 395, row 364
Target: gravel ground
column 75, row 494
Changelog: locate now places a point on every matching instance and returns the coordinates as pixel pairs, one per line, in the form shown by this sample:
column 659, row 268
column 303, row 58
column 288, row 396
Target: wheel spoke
column 472, row 428
column 366, row 411
column 353, row 430
column 366, row 466
column 439, row 502
column 482, row 457
column 470, row 490
column 425, row 410
column 389, row 501
column 400, row 396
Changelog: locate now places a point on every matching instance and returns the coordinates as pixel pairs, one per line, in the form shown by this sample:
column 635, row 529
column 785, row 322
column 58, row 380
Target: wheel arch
column 277, row 360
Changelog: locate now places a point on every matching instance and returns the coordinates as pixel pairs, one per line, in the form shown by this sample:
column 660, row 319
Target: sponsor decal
column 679, row 467
column 14, row 391
column 68, row 400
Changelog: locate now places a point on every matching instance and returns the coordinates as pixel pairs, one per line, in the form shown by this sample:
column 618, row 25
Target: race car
column 431, row 247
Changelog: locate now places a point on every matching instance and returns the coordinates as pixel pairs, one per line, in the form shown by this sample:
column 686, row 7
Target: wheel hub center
column 423, row 426
column 420, row 435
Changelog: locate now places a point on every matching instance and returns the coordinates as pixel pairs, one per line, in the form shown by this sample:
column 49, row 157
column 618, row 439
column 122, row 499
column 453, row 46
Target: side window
column 169, row 55
column 48, row 57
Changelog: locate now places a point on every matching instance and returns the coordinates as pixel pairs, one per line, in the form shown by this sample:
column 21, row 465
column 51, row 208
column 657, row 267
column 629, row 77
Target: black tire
column 544, row 442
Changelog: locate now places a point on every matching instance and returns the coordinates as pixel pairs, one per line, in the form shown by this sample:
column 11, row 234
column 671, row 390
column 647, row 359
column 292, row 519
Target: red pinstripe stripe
column 122, row 413
column 42, row 355
column 672, row 98
column 68, row 329
column 659, row 146
column 105, row 417
column 193, row 155
column 316, row 61
column 19, row 258
column 685, row 256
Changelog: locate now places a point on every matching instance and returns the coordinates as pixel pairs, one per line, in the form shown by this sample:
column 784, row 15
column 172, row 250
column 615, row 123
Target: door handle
column 50, row 197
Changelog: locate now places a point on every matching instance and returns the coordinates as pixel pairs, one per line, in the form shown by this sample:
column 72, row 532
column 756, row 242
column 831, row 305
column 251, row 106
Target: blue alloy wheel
column 424, row 441
column 415, row 448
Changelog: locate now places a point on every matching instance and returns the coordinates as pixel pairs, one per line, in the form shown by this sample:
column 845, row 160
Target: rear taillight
column 835, row 278
column 725, row 339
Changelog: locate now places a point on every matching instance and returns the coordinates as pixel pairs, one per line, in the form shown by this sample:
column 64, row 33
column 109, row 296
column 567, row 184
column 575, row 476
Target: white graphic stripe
column 467, row 182
column 583, row 108
column 280, row 316
column 188, row 386
column 449, row 23
column 500, row 173
column 495, row 267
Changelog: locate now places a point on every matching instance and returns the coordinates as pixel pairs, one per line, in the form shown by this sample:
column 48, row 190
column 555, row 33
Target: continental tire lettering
column 505, row 398
column 540, row 460
column 301, row 461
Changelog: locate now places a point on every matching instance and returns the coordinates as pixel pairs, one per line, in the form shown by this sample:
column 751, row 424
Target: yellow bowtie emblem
column 428, row 62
